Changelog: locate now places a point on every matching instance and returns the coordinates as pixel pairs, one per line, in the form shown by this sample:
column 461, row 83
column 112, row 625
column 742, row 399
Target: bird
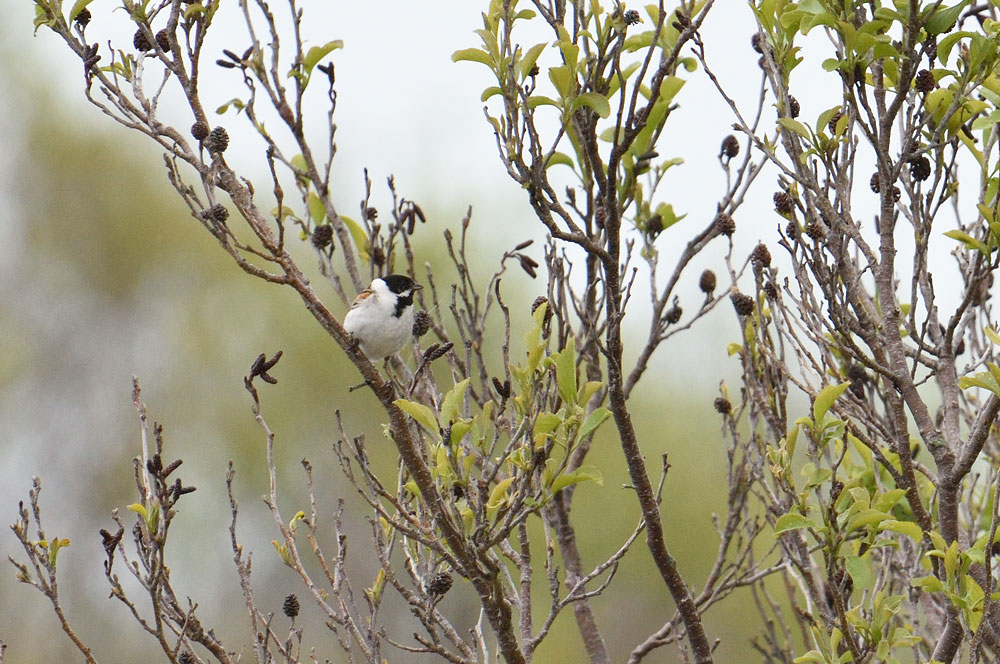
column 381, row 318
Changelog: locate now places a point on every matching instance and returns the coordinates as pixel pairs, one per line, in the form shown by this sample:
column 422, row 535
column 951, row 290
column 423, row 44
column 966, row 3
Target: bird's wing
column 362, row 296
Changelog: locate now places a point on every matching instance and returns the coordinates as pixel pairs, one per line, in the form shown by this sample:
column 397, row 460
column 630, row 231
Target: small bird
column 381, row 318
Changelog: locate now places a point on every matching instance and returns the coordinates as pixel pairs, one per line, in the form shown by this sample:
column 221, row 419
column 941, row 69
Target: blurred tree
column 875, row 554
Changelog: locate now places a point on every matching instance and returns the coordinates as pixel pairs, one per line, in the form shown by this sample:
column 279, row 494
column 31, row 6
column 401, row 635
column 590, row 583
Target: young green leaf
column 594, row 420
column 453, row 400
column 594, row 100
column 419, row 412
column 473, row 55
column 825, row 399
column 792, row 521
column 78, row 7
column 582, row 474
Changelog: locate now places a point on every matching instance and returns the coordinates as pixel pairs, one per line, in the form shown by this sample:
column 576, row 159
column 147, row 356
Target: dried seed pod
column 792, row 230
column 421, row 323
column 654, row 225
column 758, row 41
column 874, row 183
column 217, row 141
column 503, row 389
column 858, row 378
column 924, row 81
column 707, row 282
column 760, row 256
column 793, row 106
column 291, row 606
column 163, row 40
column 816, row 230
column 434, row 351
column 832, row 125
column 920, row 168
column 931, row 45
column 82, row 17
column 730, row 147
column 219, row 213
column 783, row 202
column 140, row 41
column 743, row 304
column 673, row 314
column 322, row 236
column 632, row 17
column 439, row 584
column 724, row 224
column 771, row 291
column 722, row 406
column 528, row 264
column 199, row 130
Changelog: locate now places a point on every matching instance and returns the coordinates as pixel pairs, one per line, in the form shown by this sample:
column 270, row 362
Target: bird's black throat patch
column 403, row 287
column 402, row 302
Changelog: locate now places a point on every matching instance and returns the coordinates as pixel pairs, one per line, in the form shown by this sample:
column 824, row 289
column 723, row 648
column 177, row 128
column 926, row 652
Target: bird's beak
column 417, row 287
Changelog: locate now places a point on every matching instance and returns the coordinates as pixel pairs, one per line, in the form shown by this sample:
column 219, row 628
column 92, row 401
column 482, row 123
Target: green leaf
column 796, row 127
column 283, row 552
column 565, row 364
column 491, row 91
column 78, row 7
column 582, row 474
column 419, row 412
column 546, row 423
column 826, row 397
column 969, row 241
column 948, row 42
column 54, row 547
column 560, row 158
column 866, row 517
column 529, row 59
column 358, row 234
column 594, row 100
column 563, row 79
column 888, row 500
column 317, row 53
column 458, row 430
column 42, row 17
column 929, row 584
column 944, row 18
column 473, row 55
column 992, row 334
column 317, row 211
column 830, row 64
column 792, row 521
column 951, row 559
column 588, row 390
column 534, row 101
column 594, row 420
column 983, row 379
column 499, row 493
column 235, row 103
column 860, row 571
column 452, row 401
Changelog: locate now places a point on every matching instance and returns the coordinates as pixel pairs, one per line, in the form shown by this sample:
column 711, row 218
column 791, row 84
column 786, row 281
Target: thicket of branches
column 864, row 528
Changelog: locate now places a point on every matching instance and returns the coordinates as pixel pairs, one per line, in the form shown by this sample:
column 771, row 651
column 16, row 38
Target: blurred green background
column 104, row 275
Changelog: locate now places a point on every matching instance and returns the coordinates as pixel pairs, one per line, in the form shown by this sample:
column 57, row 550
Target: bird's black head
column 400, row 283
column 404, row 287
